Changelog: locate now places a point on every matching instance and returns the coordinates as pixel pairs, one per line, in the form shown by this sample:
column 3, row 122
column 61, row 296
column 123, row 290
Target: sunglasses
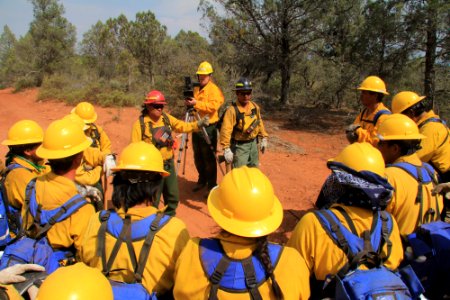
column 157, row 106
column 246, row 93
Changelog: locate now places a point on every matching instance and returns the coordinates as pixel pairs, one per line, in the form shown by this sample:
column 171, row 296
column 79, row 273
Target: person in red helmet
column 155, row 126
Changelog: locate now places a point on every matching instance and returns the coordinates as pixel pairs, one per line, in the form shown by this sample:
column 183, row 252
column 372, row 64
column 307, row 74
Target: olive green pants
column 169, row 189
column 245, row 153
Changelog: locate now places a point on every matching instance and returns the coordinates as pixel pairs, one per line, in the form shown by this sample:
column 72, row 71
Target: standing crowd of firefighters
column 395, row 173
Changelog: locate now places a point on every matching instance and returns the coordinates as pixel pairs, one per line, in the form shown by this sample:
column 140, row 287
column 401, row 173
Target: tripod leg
column 183, row 145
column 211, row 147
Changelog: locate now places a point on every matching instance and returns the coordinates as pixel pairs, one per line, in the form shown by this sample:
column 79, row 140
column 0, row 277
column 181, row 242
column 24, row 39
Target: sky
column 176, row 15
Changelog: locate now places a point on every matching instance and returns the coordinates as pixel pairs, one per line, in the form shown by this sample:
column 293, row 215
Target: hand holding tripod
column 191, row 115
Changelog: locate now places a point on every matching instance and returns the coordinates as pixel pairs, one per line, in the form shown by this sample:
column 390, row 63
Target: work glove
column 351, row 134
column 110, row 162
column 92, row 193
column 228, row 154
column 203, row 122
column 263, row 145
column 442, row 188
column 13, row 274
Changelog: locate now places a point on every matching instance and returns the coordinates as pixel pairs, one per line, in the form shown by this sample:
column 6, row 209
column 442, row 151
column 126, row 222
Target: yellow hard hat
column 76, row 119
column 244, row 203
column 24, row 132
column 205, row 68
column 75, row 282
column 404, row 100
column 361, row 157
column 399, row 127
column 63, row 138
column 86, row 111
column 141, row 156
column 373, row 84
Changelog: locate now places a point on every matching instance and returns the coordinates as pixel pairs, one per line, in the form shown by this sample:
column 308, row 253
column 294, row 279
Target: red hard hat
column 155, row 97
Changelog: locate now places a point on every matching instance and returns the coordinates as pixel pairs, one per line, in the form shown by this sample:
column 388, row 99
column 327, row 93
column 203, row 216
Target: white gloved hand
column 110, row 162
column 228, row 155
column 203, row 122
column 263, row 145
column 12, row 274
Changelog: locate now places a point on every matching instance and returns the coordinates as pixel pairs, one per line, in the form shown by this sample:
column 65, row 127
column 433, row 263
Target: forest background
column 299, row 54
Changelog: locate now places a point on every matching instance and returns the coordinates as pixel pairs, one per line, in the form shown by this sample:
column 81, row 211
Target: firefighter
column 356, row 190
column 136, row 182
column 412, row 203
column 206, row 101
column 23, row 164
column 155, row 126
column 63, row 145
column 364, row 128
column 435, row 149
column 240, row 263
column 242, row 127
column 99, row 154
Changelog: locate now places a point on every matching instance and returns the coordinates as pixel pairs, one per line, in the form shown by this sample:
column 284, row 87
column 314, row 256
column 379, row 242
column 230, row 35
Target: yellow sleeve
column 435, row 134
column 88, row 177
column 93, row 157
column 15, row 185
column 262, row 130
column 136, row 134
column 209, row 103
column 181, row 126
column 226, row 131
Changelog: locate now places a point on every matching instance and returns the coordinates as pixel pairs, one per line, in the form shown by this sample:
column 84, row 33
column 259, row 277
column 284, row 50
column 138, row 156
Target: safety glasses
column 244, row 93
column 157, row 106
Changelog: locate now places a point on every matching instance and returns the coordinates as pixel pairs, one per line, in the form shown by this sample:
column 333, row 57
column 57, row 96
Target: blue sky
column 174, row 14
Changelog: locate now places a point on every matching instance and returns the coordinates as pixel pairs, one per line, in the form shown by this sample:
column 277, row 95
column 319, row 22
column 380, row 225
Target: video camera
column 188, row 91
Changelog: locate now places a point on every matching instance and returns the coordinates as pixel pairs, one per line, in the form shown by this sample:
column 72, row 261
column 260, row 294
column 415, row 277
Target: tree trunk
column 285, row 70
column 430, row 53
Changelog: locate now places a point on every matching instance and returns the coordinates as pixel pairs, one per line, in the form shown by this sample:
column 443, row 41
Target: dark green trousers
column 204, row 158
column 245, row 154
column 169, row 189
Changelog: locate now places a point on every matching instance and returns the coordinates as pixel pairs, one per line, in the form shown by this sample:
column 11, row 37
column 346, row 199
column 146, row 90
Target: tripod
column 191, row 115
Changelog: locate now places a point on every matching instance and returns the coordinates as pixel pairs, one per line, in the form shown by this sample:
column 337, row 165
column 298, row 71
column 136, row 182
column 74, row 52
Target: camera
column 188, row 91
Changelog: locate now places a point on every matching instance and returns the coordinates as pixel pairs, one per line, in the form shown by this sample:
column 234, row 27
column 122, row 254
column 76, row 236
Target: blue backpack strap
column 45, row 219
column 126, row 231
column 376, row 117
column 379, row 114
column 230, row 274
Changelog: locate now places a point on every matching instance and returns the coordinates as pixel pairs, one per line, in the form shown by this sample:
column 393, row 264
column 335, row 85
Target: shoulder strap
column 142, row 124
column 166, row 120
column 250, row 278
column 95, row 135
column 379, row 114
column 349, row 221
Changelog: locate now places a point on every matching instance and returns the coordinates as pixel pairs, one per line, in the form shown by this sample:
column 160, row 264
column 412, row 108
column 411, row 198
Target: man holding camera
column 206, row 101
column 242, row 127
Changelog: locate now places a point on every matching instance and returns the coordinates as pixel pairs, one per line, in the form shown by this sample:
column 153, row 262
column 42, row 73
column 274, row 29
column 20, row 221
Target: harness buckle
column 250, row 281
column 215, row 277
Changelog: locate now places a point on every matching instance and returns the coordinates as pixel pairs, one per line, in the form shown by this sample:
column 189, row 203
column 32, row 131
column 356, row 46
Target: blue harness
column 123, row 230
column 36, row 248
column 424, row 174
column 234, row 276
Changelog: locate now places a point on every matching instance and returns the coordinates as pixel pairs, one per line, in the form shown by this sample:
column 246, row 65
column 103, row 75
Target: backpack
column 35, row 247
column 161, row 136
column 376, row 117
column 377, row 282
column 423, row 175
column 430, row 245
column 10, row 219
column 232, row 275
column 123, row 230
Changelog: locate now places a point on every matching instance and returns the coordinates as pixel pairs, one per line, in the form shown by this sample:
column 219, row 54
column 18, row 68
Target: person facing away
column 206, row 101
column 155, row 126
column 413, row 203
column 239, row 262
column 136, row 181
column 355, row 192
column 63, row 145
column 23, row 164
column 364, row 127
column 243, row 129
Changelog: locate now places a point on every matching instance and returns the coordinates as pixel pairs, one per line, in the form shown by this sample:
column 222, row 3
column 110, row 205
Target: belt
column 242, row 142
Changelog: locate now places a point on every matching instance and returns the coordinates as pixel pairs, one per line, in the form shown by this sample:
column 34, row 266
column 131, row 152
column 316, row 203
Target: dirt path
column 295, row 161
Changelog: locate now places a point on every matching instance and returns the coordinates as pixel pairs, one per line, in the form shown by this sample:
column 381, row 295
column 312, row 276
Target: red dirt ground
column 295, row 161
